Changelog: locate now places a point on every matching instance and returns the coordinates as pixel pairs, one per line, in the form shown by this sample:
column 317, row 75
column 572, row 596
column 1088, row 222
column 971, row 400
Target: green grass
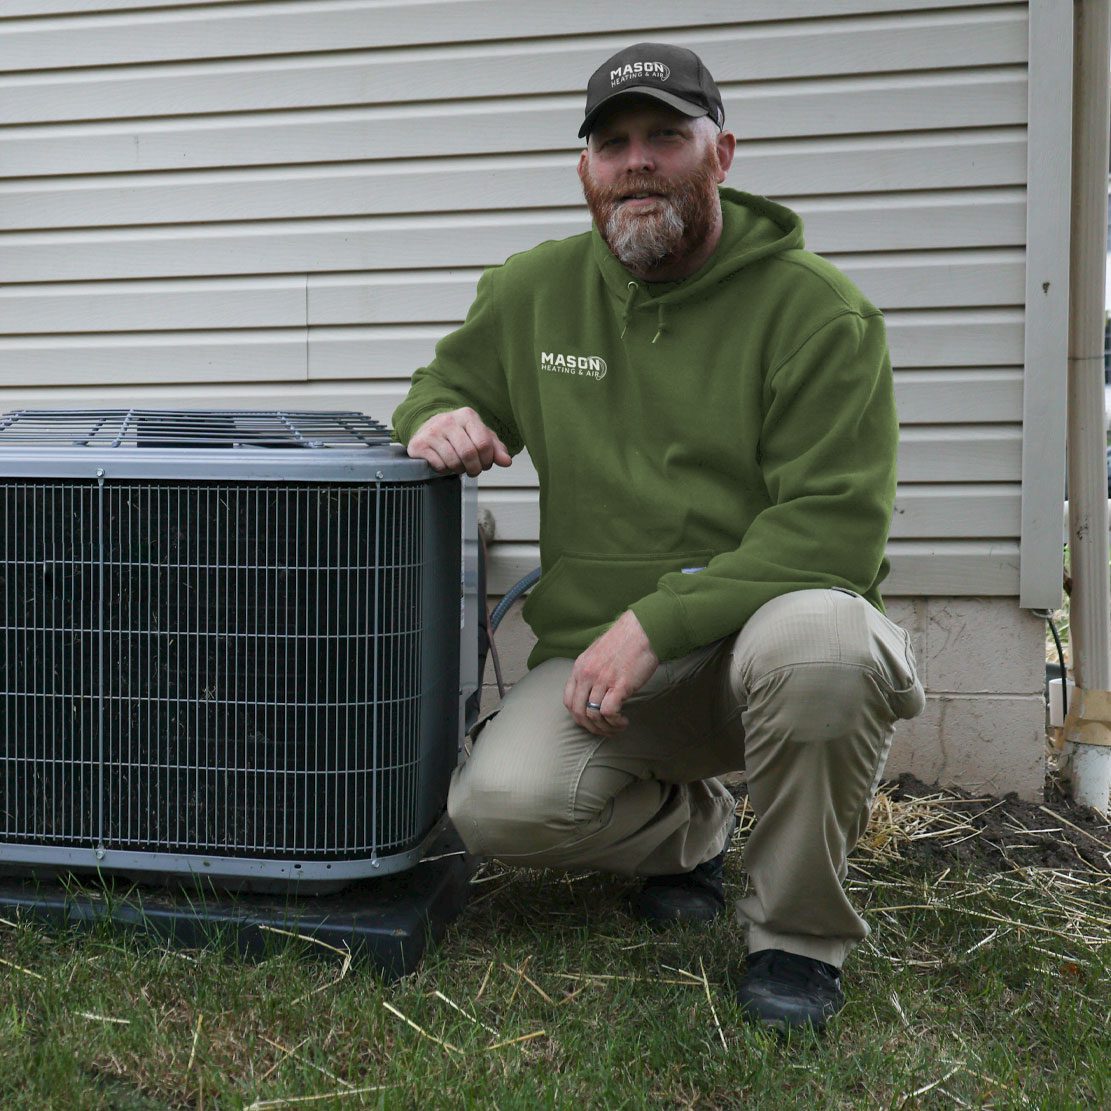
column 982, row 991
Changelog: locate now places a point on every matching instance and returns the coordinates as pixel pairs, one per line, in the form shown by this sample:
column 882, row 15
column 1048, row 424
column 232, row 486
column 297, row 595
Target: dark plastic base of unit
column 389, row 922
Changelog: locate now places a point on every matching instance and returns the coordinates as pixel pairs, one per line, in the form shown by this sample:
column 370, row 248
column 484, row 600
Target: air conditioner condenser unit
column 238, row 645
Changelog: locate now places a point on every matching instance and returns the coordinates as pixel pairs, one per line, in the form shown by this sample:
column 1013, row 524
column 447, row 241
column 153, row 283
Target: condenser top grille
column 203, row 444
column 184, row 428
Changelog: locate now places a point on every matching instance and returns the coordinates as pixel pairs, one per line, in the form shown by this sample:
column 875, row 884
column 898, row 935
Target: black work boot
column 786, row 991
column 694, row 896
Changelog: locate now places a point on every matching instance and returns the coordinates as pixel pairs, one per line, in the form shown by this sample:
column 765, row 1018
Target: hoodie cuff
column 664, row 623
column 404, row 429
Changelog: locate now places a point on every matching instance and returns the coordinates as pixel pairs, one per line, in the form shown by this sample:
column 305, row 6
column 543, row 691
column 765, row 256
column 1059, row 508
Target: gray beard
column 641, row 243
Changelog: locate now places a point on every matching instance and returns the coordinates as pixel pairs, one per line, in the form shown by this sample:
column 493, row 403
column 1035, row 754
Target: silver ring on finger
column 593, row 705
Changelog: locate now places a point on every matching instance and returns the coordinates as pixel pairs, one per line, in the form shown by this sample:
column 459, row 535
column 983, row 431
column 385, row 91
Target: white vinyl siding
column 285, row 204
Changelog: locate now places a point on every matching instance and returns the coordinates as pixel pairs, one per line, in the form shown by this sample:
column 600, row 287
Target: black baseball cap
column 672, row 74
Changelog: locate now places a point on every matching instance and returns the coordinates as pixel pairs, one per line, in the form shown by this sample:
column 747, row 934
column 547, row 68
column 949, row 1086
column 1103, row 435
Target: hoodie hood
column 752, row 228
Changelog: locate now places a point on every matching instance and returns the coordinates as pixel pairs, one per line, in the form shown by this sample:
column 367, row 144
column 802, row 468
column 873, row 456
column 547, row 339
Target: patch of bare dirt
column 1009, row 831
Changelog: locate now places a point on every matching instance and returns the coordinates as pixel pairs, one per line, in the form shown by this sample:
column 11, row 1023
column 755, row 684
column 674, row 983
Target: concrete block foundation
column 982, row 662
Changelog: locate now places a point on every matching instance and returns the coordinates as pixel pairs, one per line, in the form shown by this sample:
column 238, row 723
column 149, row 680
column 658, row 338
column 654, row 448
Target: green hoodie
column 703, row 446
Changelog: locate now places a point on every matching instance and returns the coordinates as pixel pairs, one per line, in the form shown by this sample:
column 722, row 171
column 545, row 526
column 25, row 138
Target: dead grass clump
column 897, row 822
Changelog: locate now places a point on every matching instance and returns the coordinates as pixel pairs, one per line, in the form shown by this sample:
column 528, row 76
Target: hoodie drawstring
column 630, row 304
column 661, row 326
column 628, row 308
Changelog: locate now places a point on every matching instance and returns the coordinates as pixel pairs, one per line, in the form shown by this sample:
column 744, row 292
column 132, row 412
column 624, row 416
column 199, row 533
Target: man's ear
column 726, row 146
column 582, row 163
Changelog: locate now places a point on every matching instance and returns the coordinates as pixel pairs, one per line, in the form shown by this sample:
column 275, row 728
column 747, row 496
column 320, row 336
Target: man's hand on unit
column 615, row 666
column 458, row 441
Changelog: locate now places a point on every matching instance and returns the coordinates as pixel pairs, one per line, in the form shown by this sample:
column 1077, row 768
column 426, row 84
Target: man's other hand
column 458, row 441
column 615, row 666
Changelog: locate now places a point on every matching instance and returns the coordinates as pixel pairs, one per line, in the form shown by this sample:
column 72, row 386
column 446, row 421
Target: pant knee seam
column 573, row 795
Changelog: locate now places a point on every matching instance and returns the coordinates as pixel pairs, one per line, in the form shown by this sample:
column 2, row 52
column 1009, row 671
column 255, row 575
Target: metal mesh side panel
column 49, row 783
column 252, row 653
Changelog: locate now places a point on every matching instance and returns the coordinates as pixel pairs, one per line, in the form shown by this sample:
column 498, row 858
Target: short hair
column 707, row 127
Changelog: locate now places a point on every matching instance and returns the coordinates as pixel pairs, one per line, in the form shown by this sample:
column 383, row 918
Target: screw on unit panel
column 379, row 475
column 100, row 852
column 100, row 472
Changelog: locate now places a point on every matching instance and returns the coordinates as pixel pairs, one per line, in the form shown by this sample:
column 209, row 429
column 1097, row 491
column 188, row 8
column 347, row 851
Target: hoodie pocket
column 582, row 594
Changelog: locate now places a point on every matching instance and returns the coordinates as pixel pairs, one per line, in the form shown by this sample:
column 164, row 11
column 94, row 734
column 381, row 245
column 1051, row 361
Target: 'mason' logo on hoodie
column 584, row 366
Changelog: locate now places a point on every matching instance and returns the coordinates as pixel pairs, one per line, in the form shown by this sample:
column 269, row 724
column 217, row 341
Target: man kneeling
column 710, row 411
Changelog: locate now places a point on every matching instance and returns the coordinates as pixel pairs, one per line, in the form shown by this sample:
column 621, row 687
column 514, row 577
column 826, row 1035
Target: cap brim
column 670, row 99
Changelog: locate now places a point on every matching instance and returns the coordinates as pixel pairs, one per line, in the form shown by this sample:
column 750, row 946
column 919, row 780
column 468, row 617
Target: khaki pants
column 804, row 698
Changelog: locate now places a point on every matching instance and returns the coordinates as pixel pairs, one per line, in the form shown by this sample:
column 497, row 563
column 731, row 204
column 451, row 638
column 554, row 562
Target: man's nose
column 639, row 156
